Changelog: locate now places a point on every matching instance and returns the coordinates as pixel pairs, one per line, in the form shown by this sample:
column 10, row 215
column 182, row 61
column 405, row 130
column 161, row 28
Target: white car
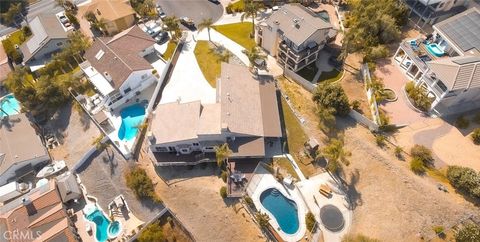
column 155, row 31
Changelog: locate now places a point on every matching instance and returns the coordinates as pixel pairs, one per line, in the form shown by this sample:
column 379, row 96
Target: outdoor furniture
column 288, row 180
column 325, row 190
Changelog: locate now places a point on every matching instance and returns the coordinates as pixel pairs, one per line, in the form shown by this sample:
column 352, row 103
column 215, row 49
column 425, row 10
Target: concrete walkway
column 187, row 83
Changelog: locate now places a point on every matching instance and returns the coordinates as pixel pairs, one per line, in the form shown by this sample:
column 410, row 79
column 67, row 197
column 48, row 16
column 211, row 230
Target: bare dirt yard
column 193, row 195
column 390, row 202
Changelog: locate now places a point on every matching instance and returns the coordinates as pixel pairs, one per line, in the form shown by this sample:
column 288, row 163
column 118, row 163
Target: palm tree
column 206, row 23
column 222, row 153
column 10, row 16
column 253, row 55
column 225, row 56
column 335, row 154
column 172, row 26
column 250, row 11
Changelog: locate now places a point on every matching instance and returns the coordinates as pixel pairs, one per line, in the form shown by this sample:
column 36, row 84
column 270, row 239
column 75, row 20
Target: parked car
column 63, row 19
column 187, row 22
column 161, row 38
column 154, row 32
column 160, row 12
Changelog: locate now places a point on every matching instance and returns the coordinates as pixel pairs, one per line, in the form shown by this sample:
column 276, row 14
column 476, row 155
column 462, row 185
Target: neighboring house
column 281, row 2
column 447, row 64
column 48, row 36
column 21, row 150
column 429, row 12
column 245, row 116
column 117, row 14
column 117, row 68
column 4, row 66
column 37, row 216
column 294, row 35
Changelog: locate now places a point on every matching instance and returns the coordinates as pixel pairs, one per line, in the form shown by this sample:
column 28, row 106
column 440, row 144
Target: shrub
column 418, row 96
column 398, row 152
column 223, row 192
column 417, row 166
column 380, row 140
column 356, row 105
column 476, row 136
column 249, row 201
column 384, row 119
column 141, row 185
column 11, row 51
column 229, row 9
column 469, row 232
column 26, row 31
column 332, row 96
column 310, row 221
column 224, row 176
column 262, row 219
column 462, row 122
column 152, row 232
column 421, row 153
column 72, row 19
column 465, row 179
column 358, row 238
column 438, row 229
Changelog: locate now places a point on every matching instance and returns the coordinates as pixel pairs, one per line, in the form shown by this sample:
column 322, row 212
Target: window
column 196, row 144
column 127, row 90
column 144, row 76
column 442, row 86
column 441, row 5
column 184, row 150
column 59, row 43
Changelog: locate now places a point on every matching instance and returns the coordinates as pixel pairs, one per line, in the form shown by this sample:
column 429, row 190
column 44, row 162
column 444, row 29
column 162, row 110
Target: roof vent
column 276, row 22
column 107, row 76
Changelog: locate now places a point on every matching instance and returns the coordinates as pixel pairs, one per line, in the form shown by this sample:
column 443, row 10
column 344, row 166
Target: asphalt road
column 197, row 10
column 39, row 8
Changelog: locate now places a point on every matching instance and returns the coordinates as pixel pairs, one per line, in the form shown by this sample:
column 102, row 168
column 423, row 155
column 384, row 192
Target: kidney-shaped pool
column 283, row 209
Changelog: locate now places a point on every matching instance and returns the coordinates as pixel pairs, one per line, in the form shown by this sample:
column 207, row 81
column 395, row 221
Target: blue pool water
column 283, row 209
column 9, row 105
column 104, row 229
column 435, row 50
column 132, row 116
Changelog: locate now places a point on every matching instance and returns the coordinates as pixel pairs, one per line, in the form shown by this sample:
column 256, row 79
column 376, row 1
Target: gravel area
column 103, row 177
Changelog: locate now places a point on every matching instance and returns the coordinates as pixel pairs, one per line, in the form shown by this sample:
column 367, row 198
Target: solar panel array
column 464, row 31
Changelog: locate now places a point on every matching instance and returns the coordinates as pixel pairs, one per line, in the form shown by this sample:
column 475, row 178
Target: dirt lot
column 193, row 195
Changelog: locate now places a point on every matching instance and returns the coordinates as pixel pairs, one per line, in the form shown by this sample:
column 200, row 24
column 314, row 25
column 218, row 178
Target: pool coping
column 94, row 227
column 269, row 183
column 4, row 97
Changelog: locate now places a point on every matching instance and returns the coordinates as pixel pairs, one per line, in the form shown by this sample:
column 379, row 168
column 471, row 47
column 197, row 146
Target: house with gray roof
column 294, row 35
column 21, row 149
column 446, row 63
column 48, row 36
column 117, row 67
column 245, row 116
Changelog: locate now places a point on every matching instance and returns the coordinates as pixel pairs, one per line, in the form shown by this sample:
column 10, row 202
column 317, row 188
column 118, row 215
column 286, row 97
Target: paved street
column 194, row 9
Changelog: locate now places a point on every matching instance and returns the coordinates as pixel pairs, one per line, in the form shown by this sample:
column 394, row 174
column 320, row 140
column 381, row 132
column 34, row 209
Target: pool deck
column 315, row 201
column 263, row 180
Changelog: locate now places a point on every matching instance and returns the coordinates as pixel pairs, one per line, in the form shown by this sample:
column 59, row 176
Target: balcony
column 301, row 54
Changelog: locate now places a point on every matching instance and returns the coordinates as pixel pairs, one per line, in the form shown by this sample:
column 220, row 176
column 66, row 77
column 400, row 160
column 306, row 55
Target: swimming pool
column 132, row 116
column 9, row 105
column 324, row 15
column 283, row 209
column 104, row 228
column 435, row 50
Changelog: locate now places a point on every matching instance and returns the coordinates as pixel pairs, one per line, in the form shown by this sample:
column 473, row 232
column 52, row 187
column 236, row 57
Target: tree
column 422, row 153
column 468, row 233
column 476, row 136
column 223, row 192
column 206, row 24
column 222, row 153
column 262, row 219
column 332, row 96
column 144, row 8
column 172, row 26
column 254, row 55
column 140, row 183
column 72, row 19
column 151, row 233
column 250, row 11
column 372, row 24
column 14, row 11
column 418, row 96
column 465, row 179
column 326, row 117
column 335, row 155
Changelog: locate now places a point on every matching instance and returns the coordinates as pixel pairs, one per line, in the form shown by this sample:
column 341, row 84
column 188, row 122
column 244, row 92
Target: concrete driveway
column 197, row 10
column 187, row 83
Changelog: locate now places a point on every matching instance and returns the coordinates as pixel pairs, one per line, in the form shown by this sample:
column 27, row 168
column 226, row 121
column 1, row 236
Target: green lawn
column 238, row 32
column 16, row 37
column 170, row 49
column 286, row 165
column 238, row 6
column 308, row 72
column 208, row 61
column 330, row 76
column 296, row 137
